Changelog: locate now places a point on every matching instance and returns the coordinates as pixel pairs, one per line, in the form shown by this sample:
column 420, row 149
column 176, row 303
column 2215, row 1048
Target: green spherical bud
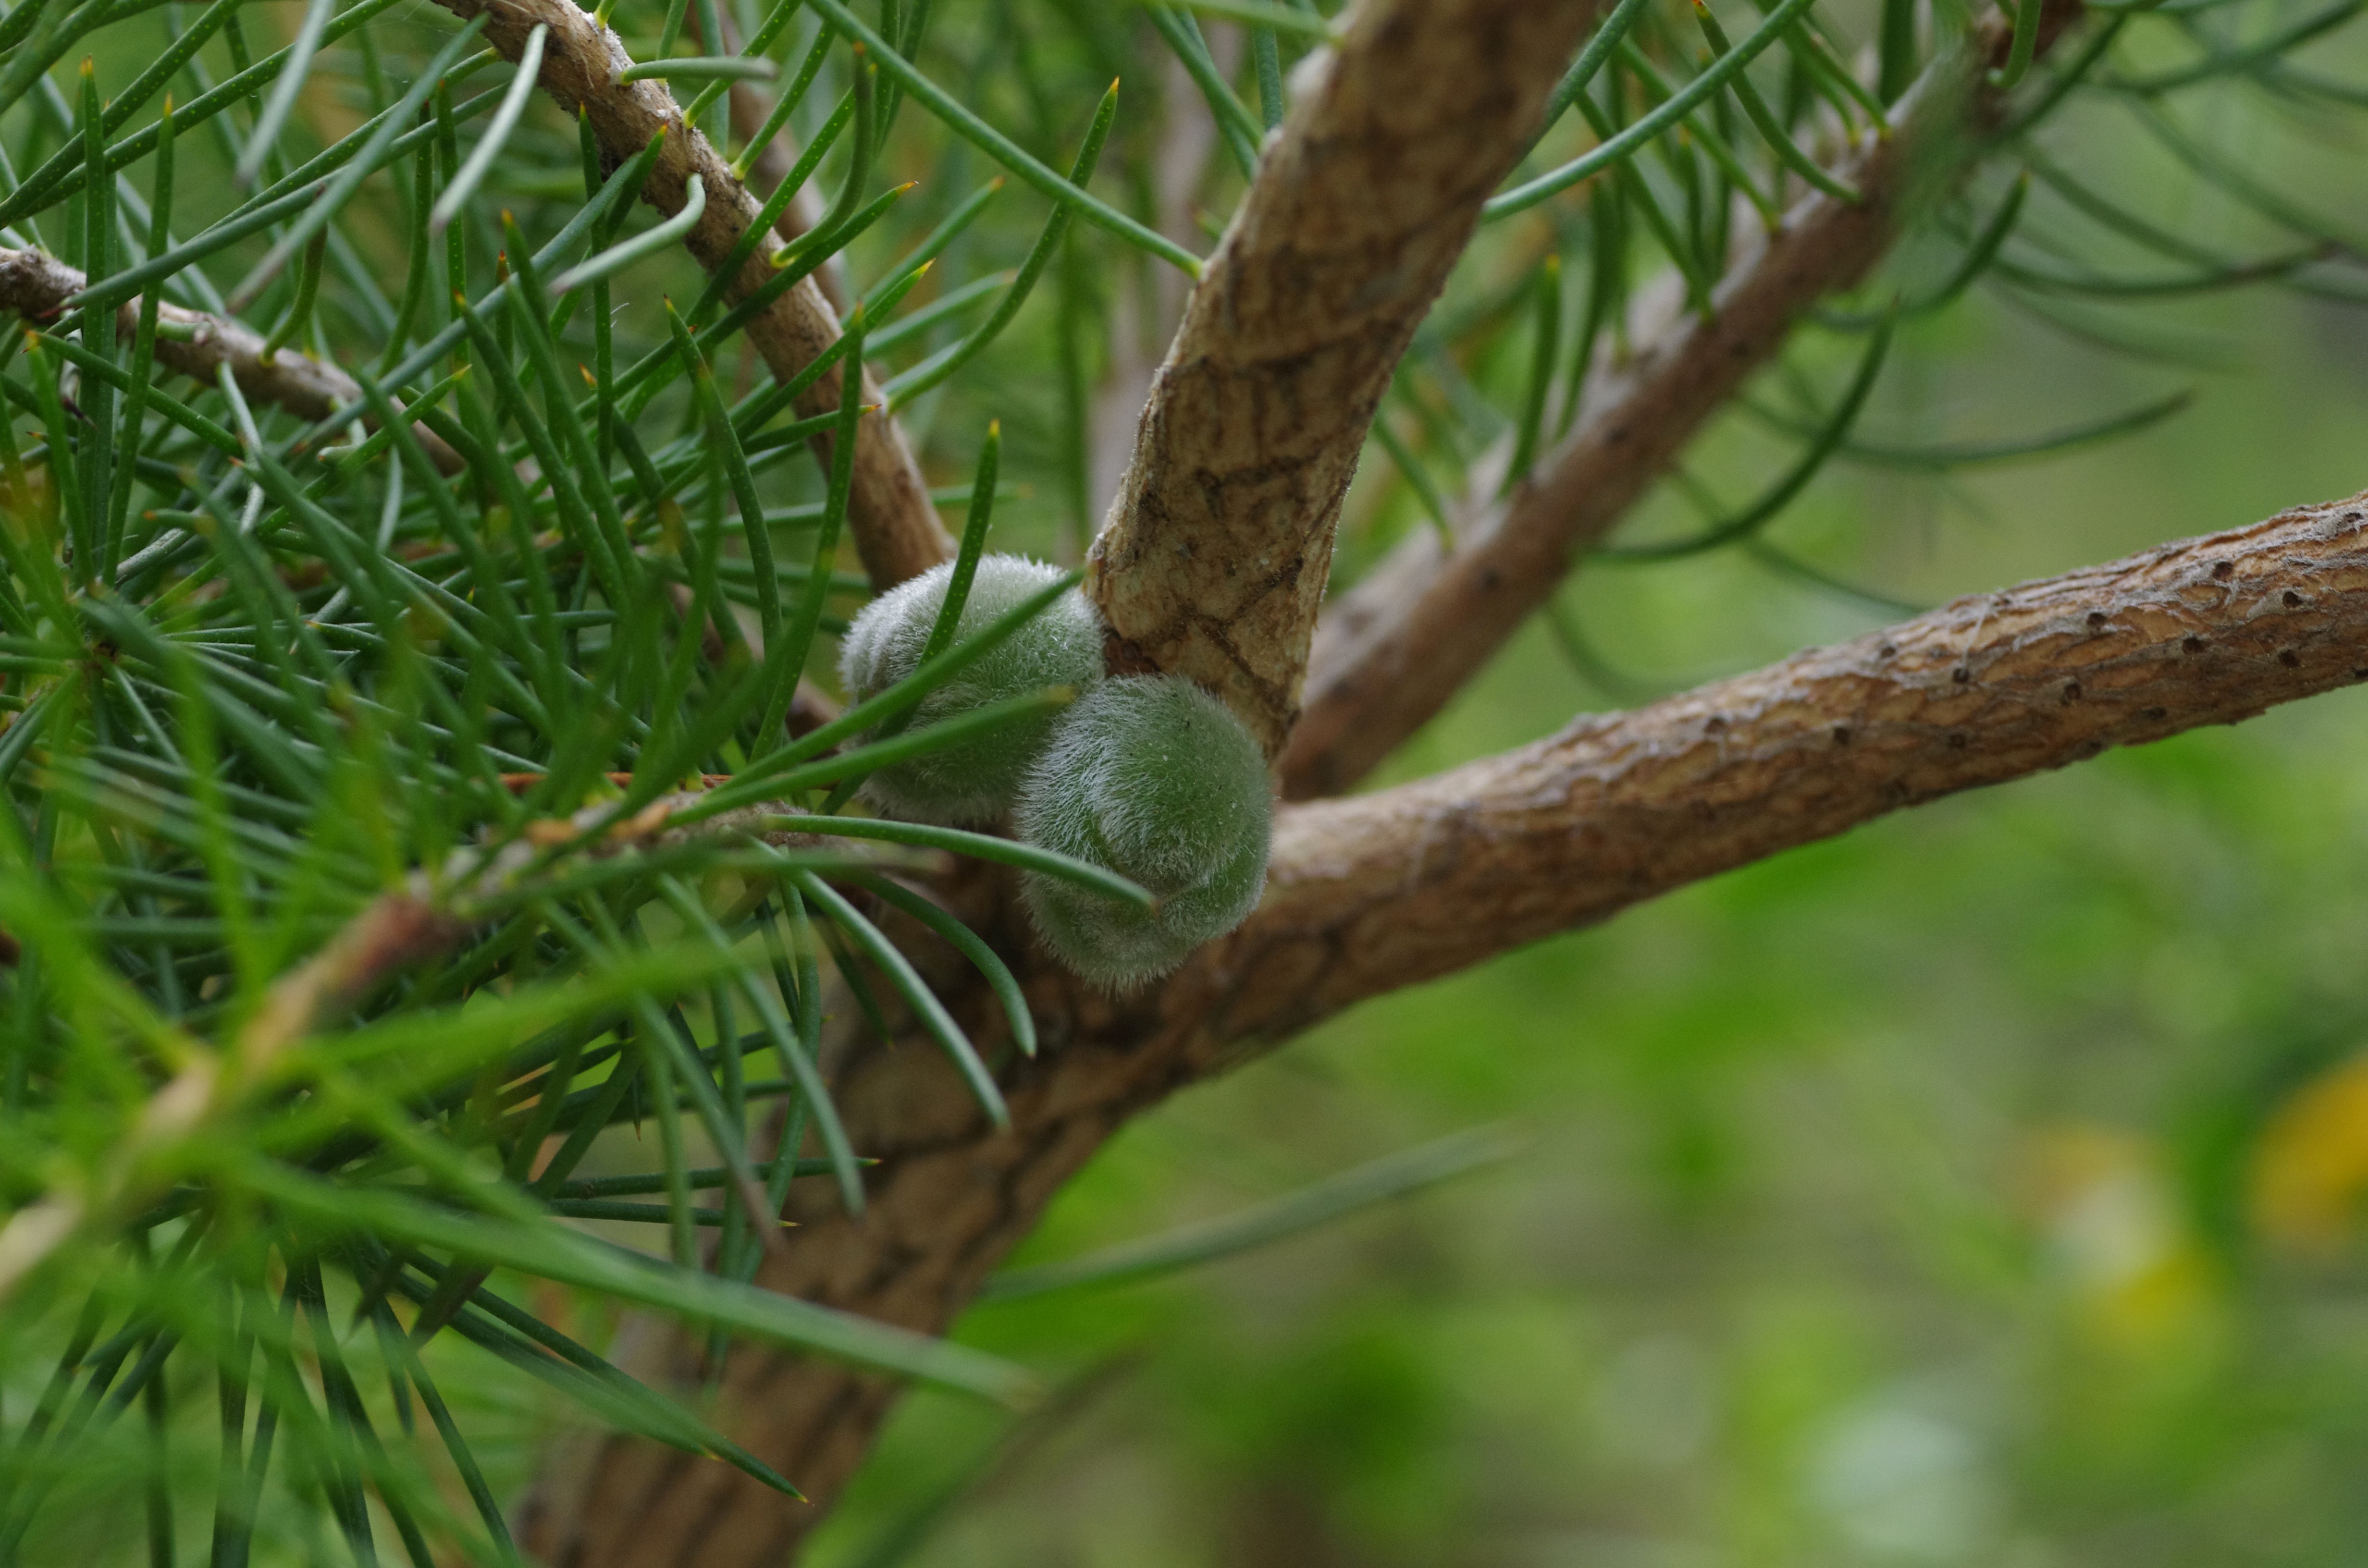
column 976, row 780
column 1152, row 777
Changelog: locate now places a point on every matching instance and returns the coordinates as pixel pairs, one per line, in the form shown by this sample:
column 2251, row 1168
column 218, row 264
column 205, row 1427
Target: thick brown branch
column 1380, row 892
column 1213, row 558
column 33, row 286
column 1392, row 652
column 1385, row 889
column 889, row 514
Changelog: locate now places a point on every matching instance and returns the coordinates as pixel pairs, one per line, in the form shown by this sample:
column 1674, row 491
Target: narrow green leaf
column 700, row 1179
column 2025, row 42
column 1267, row 57
column 1779, row 494
column 288, row 84
column 650, row 241
column 931, row 1013
column 1763, row 119
column 702, row 68
column 1635, row 137
column 727, row 271
column 1274, row 18
column 904, row 388
column 726, row 444
column 97, row 455
column 464, row 184
column 962, row 939
column 1236, row 126
column 1544, row 350
column 526, row 1341
column 1001, row 148
column 1397, row 1175
column 1895, row 51
column 788, row 105
column 1970, row 454
column 550, row 1253
column 1607, row 38
column 464, row 1460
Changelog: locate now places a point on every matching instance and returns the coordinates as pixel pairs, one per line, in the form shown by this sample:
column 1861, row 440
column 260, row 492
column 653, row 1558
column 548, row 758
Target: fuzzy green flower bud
column 976, row 780
column 1152, row 777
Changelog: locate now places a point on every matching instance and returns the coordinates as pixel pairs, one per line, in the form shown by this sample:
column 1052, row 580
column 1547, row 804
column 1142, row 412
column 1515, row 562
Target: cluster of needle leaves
column 398, row 802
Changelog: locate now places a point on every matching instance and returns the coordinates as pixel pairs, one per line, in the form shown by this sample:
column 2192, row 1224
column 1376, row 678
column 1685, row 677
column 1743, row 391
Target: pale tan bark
column 889, row 515
column 1391, row 653
column 1215, row 553
column 33, row 286
column 1383, row 891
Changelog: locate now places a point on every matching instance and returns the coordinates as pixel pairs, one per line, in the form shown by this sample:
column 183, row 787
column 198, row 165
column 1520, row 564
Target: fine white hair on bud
column 1152, row 777
column 976, row 780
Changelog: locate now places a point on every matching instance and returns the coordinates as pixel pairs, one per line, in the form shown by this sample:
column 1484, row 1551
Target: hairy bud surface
column 976, row 780
column 1153, row 778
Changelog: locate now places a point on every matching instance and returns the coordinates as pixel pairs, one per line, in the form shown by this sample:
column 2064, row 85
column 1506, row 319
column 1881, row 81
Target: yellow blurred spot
column 2310, row 1169
column 2115, row 1236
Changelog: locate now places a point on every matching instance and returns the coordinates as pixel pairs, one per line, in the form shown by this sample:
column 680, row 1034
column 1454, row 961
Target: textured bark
column 1391, row 653
column 1213, row 558
column 1386, row 889
column 889, row 514
column 953, row 1197
column 33, row 286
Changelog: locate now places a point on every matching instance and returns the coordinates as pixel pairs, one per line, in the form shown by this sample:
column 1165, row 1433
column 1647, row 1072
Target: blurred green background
column 1976, row 1188
column 1893, row 1201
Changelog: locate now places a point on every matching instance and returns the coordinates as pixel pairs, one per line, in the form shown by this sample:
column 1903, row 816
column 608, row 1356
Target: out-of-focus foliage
column 1984, row 1188
column 1980, row 1189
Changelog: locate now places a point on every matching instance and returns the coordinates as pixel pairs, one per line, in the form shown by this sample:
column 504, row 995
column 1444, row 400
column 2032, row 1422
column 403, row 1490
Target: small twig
column 198, row 345
column 895, row 527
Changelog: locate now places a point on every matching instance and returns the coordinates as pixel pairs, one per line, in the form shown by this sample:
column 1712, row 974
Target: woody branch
column 1213, row 558
column 1386, row 889
column 1389, row 652
column 889, row 515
